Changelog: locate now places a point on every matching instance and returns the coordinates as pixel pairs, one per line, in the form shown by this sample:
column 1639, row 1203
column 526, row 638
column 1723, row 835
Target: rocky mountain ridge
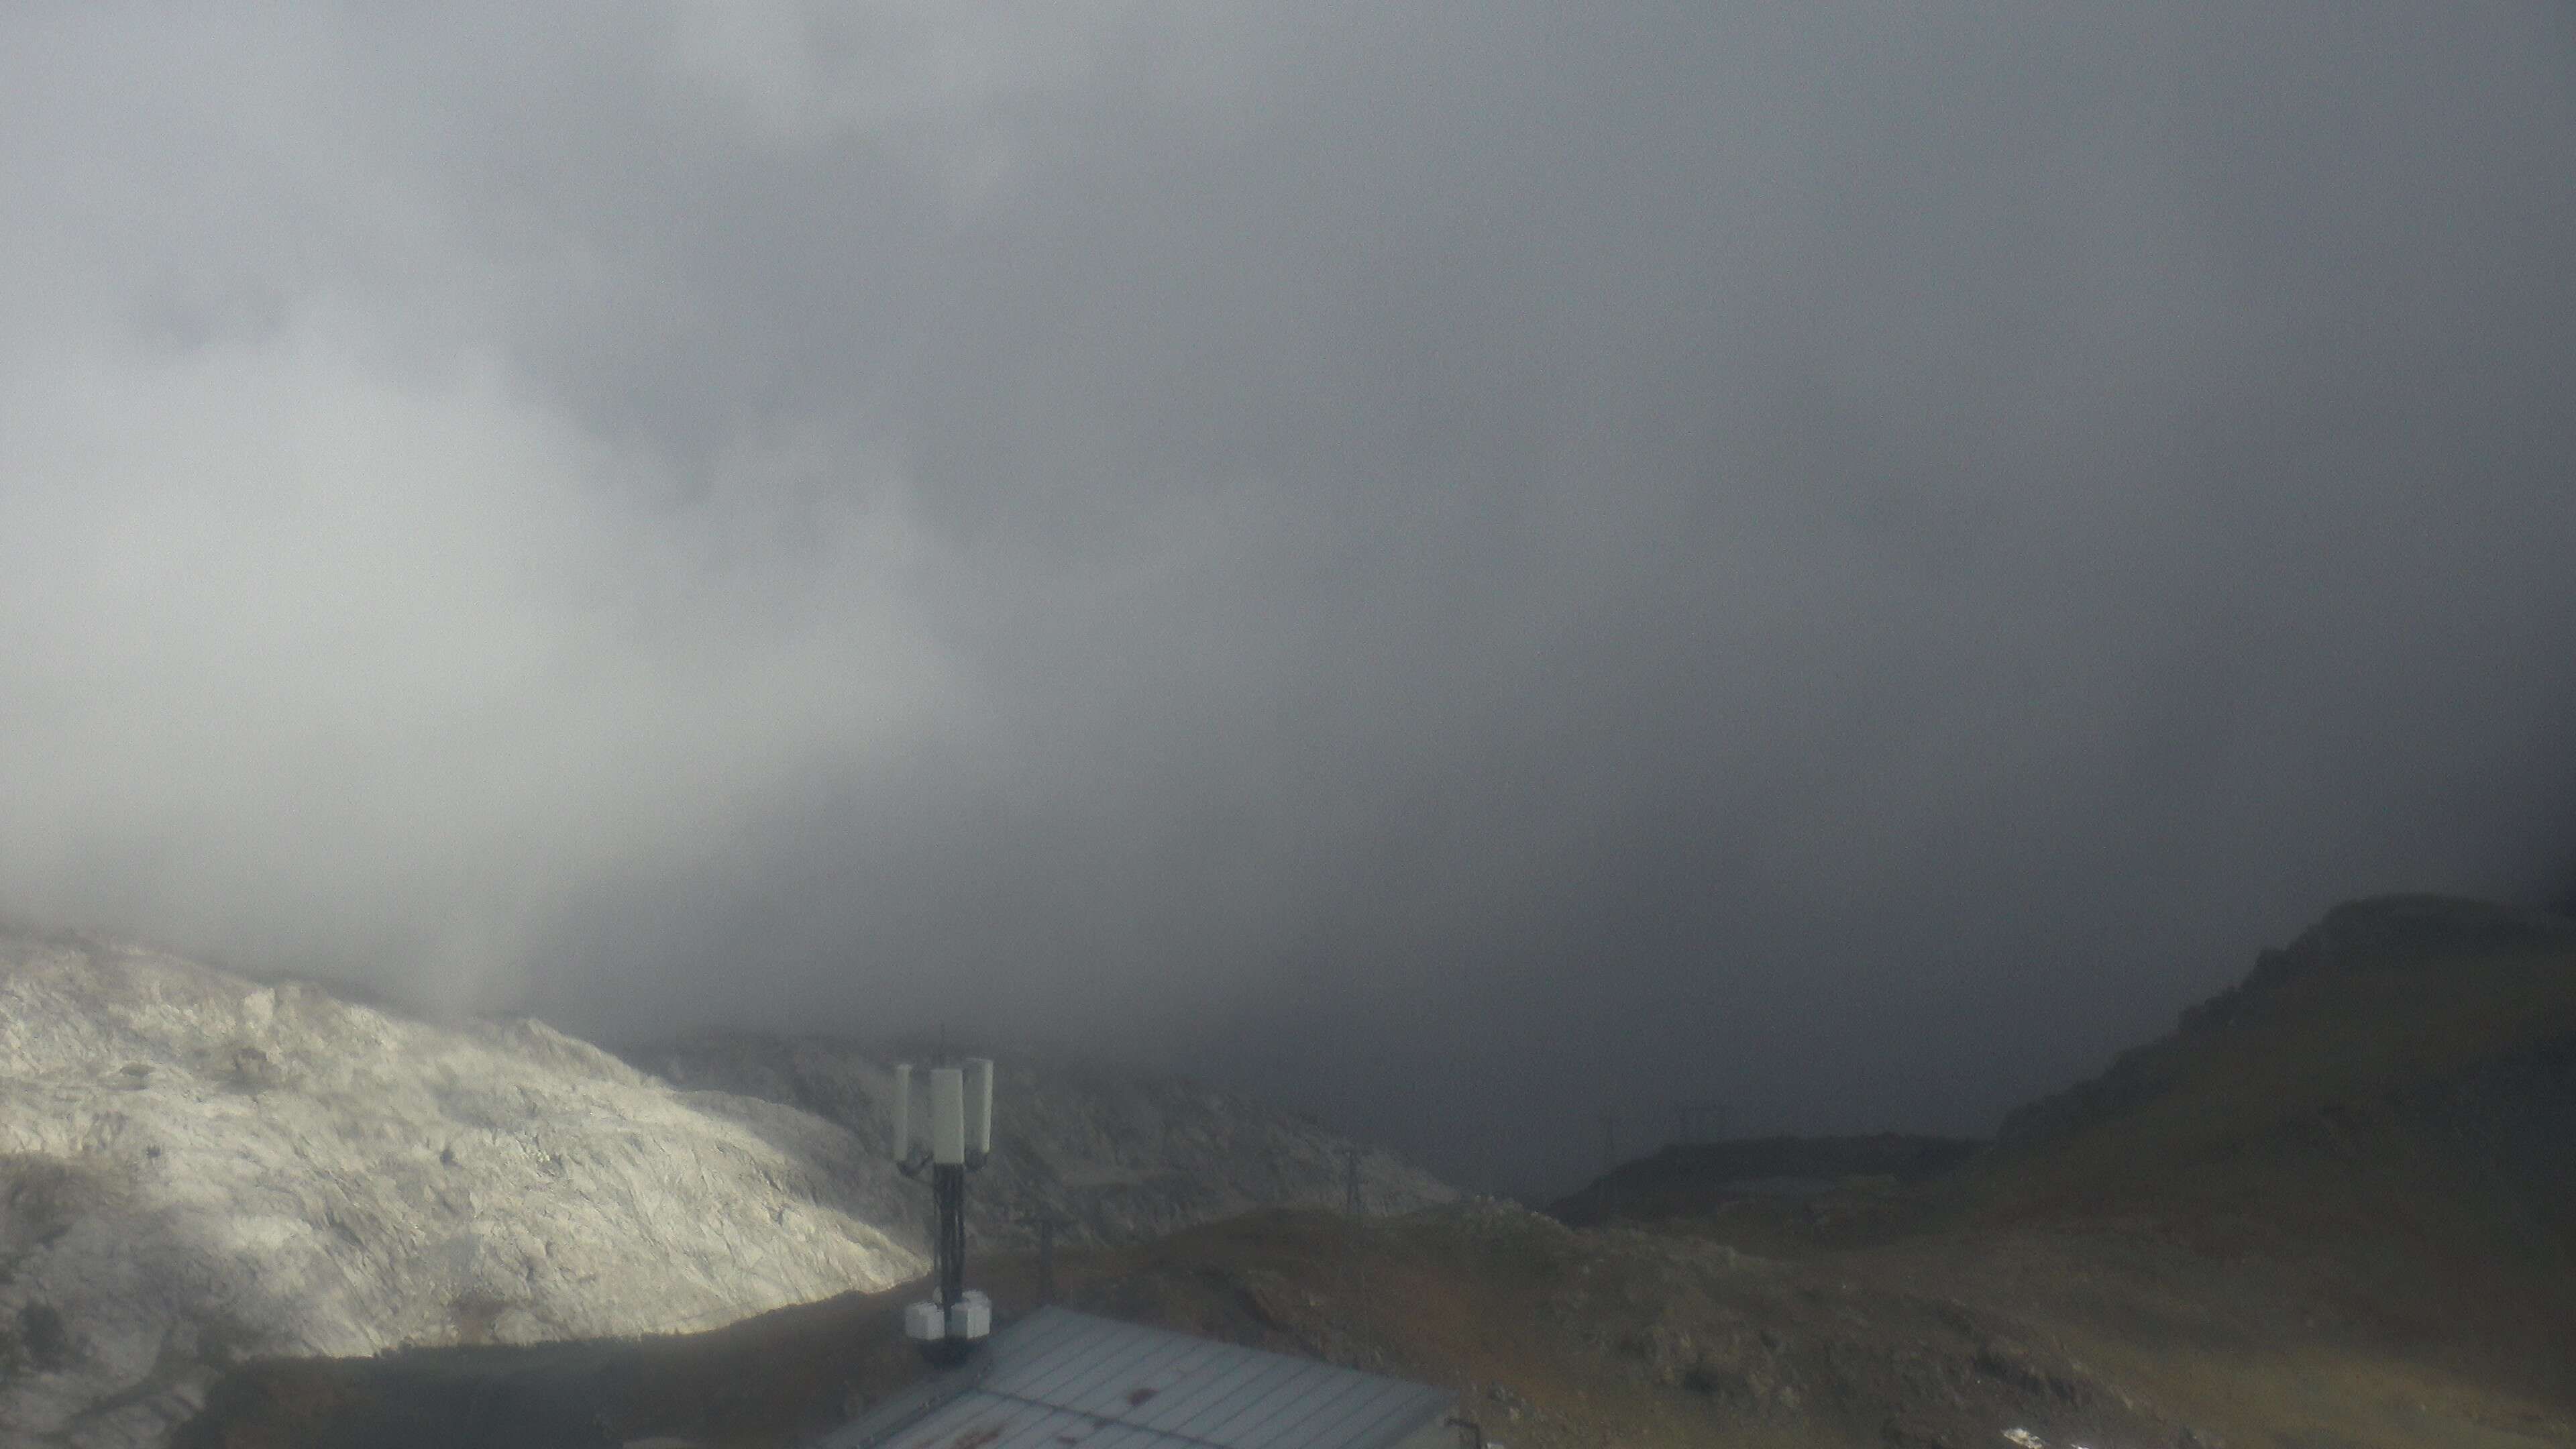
column 1113, row 1157
column 2397, row 936
column 2340, row 1217
column 197, row 1168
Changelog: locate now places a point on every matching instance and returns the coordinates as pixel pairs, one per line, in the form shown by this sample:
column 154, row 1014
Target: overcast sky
column 1453, row 565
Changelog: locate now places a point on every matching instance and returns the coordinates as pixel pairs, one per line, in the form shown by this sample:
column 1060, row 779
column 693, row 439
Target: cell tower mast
column 945, row 1134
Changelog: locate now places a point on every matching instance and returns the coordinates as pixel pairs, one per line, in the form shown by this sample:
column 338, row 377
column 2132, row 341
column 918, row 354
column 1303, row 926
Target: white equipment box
column 924, row 1323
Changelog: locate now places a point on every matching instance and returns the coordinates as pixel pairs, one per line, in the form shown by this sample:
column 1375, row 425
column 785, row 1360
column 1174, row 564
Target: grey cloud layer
column 1452, row 563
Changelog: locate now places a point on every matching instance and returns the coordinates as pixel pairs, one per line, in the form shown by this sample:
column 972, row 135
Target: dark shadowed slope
column 2387, row 1107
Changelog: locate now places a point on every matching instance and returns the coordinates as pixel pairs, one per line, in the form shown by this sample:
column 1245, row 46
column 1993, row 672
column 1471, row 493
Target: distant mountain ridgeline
column 2383, row 995
column 2418, row 1034
column 1685, row 1179
column 2378, row 1122
column 2449, row 1021
column 1113, row 1156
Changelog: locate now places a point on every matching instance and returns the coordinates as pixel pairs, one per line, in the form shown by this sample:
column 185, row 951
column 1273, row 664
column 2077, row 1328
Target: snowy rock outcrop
column 1116, row 1157
column 196, row 1167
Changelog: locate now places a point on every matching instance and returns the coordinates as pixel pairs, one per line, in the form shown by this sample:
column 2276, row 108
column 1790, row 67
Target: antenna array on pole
column 944, row 1133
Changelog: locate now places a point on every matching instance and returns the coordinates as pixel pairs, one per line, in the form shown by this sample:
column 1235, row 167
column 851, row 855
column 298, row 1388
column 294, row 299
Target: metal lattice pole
column 948, row 1248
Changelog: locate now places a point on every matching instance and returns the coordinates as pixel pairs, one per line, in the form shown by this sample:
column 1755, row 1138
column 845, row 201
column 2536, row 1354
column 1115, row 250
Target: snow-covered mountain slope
column 1116, row 1156
column 195, row 1167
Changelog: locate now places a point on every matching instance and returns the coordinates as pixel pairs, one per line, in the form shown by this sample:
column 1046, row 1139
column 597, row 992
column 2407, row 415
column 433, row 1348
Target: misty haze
column 1787, row 725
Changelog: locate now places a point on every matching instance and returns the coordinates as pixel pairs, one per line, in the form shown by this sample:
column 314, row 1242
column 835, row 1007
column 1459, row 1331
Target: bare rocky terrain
column 2333, row 1209
column 198, row 1169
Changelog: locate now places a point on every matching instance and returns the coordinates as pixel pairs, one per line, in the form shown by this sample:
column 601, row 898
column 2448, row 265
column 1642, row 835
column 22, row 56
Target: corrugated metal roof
column 1059, row 1379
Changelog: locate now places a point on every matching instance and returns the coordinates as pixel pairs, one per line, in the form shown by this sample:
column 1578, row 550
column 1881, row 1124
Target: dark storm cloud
column 1456, row 565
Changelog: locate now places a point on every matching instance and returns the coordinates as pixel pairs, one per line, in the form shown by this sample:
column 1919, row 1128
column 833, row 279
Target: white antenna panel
column 979, row 1106
column 947, row 1116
